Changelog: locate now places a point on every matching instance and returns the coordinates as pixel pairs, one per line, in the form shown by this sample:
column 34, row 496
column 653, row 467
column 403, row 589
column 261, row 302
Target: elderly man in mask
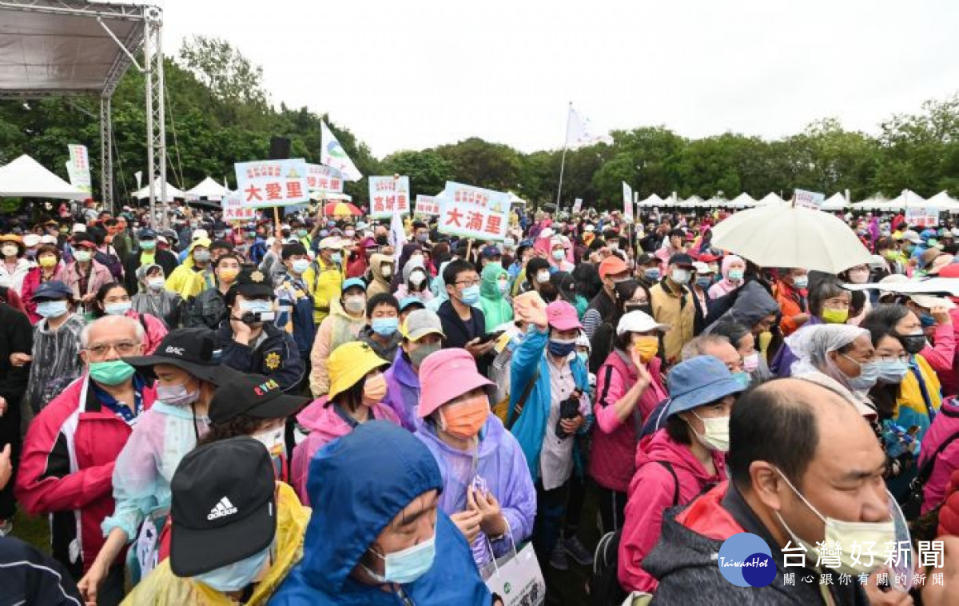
column 72, row 445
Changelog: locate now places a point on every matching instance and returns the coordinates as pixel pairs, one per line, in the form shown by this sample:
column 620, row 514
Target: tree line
column 218, row 113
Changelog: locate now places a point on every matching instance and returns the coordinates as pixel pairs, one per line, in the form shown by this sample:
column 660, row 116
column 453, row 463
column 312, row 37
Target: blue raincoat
column 357, row 485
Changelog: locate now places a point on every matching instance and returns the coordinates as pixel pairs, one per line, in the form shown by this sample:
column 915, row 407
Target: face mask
column 52, row 309
column 235, row 576
column 679, row 276
column 743, row 379
column 113, row 372
column 156, row 283
column 891, row 371
column 117, row 309
column 647, row 347
column 421, row 352
column 272, row 439
column 257, row 306
column 336, row 257
column 407, row 565
column 835, row 316
column 422, row 237
column 301, row 233
column 349, row 233
column 177, row 395
column 843, row 533
column 868, row 375
column 387, row 271
column 561, row 349
column 751, row 362
column 470, row 295
column 559, row 254
column 148, row 244
column 374, row 389
column 890, row 254
column 355, row 304
column 859, row 276
column 201, row 256
column 913, row 344
column 465, row 419
column 583, row 356
column 83, row 256
column 716, row 436
column 502, row 285
column 735, row 275
column 614, row 246
column 228, row 274
column 9, row 251
column 542, row 276
column 652, row 274
column 801, row 282
column 47, row 261
column 300, row 265
column 417, row 278
column 703, row 281
column 385, row 326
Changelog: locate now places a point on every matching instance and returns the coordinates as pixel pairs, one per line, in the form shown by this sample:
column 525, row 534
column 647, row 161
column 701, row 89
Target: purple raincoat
column 403, row 391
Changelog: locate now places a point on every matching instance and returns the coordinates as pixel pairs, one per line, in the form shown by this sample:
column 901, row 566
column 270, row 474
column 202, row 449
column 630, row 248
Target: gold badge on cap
column 256, row 276
column 272, row 359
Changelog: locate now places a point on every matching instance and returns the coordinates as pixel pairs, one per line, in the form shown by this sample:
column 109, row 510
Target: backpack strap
column 521, row 403
column 672, row 472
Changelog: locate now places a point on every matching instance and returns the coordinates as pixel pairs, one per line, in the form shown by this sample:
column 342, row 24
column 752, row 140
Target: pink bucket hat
column 445, row 375
column 562, row 316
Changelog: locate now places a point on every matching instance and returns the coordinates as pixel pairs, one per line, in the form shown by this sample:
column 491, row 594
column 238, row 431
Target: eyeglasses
column 123, row 348
column 904, row 358
column 467, row 283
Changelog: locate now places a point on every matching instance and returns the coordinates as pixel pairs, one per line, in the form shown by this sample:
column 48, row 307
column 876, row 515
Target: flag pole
column 562, row 164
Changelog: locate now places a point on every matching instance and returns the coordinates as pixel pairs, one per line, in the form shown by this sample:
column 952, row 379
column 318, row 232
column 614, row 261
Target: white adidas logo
column 223, row 508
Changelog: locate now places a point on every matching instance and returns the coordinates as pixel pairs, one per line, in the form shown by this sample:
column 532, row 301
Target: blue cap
column 54, row 289
column 147, row 234
column 699, row 381
column 407, row 301
column 353, row 282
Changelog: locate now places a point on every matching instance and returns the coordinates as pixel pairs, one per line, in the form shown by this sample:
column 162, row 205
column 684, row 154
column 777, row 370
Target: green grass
column 32, row 529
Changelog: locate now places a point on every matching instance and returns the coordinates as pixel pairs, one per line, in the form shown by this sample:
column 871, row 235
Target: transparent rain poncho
column 811, row 344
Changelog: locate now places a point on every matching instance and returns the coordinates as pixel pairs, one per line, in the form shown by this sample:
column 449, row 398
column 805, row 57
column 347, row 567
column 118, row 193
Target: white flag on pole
column 333, row 154
column 397, row 237
column 578, row 131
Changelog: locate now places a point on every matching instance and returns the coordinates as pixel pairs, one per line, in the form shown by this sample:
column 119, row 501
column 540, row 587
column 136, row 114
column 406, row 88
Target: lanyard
column 922, row 388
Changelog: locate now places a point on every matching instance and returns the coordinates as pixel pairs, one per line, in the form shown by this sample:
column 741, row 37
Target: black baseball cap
column 191, row 349
column 681, row 259
column 223, row 505
column 254, row 283
column 255, row 396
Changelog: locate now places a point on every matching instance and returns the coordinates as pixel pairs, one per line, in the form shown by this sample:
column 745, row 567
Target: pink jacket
column 651, row 492
column 941, row 356
column 943, row 426
column 724, row 286
column 325, row 425
column 99, row 275
column 154, row 330
column 614, row 442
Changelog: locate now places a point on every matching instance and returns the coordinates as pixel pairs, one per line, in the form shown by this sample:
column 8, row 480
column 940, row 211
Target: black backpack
column 605, row 589
column 912, row 504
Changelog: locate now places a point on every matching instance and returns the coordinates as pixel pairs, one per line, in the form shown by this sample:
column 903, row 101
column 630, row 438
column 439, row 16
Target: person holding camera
column 248, row 337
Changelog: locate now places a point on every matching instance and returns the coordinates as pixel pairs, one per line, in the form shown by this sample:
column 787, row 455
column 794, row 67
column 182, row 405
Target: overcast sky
column 414, row 74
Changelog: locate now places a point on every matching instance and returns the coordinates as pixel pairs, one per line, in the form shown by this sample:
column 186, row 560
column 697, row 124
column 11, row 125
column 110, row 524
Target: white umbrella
column 773, row 236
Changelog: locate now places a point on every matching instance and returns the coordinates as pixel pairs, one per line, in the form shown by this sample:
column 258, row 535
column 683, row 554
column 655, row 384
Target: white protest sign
column 387, row 192
column 78, row 167
column 627, row 201
column 809, row 199
column 233, row 209
column 426, row 205
column 577, row 204
column 474, row 212
column 323, row 178
column 266, row 183
column 922, row 216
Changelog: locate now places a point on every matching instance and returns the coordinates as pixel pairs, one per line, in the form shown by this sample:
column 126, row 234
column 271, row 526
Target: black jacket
column 207, row 309
column 459, row 333
column 277, row 356
column 163, row 258
column 16, row 336
column 30, row 577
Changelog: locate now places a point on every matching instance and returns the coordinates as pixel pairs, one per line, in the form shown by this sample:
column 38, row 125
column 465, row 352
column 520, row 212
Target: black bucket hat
column 191, row 349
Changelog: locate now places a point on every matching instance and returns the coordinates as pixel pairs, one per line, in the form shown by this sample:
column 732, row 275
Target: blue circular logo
column 745, row 561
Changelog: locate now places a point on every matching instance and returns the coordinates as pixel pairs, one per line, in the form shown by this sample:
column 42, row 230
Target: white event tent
column 27, row 178
column 207, row 188
column 171, row 192
column 834, row 202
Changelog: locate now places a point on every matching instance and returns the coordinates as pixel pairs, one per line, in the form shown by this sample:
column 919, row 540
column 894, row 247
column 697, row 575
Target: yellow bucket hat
column 349, row 363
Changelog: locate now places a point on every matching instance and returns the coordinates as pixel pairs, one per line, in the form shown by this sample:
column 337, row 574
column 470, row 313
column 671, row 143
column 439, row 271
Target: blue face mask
column 561, row 349
column 336, row 257
column 470, row 294
column 583, row 356
column 235, row 576
column 52, row 309
column 891, row 371
column 300, row 265
column 256, row 306
column 385, row 326
column 743, row 379
column 117, row 309
column 652, row 274
column 868, row 375
column 703, row 281
column 407, row 565
column 801, row 282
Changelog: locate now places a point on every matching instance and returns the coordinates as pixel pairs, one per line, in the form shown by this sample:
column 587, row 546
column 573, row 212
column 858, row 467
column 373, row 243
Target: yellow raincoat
column 186, row 281
column 325, row 283
column 161, row 587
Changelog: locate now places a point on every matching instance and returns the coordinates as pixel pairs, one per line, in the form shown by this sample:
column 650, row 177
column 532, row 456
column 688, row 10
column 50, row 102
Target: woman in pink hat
column 487, row 490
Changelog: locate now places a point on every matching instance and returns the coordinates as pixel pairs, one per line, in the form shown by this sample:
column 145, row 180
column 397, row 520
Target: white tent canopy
column 771, row 198
column 207, row 188
column 27, row 178
column 943, row 201
column 171, row 192
column 743, row 200
column 834, row 202
column 652, row 200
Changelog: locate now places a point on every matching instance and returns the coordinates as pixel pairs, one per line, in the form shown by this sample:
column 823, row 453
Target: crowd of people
column 314, row 412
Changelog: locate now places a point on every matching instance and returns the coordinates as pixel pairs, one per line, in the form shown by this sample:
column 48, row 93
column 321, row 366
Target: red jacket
column 31, row 282
column 66, row 468
column 942, row 355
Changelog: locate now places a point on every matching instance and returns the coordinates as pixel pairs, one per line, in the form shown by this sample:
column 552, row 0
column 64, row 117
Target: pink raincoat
column 724, row 286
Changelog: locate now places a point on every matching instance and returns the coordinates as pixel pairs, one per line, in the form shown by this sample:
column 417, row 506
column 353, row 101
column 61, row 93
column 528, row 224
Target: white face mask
column 156, row 283
column 355, row 304
column 542, row 276
column 859, row 276
column 417, row 278
column 680, row 276
column 10, row 250
column 843, row 534
column 272, row 439
column 717, row 432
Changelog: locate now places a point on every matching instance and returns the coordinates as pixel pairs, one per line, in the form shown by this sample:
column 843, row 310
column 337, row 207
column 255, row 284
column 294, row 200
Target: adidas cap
column 223, row 505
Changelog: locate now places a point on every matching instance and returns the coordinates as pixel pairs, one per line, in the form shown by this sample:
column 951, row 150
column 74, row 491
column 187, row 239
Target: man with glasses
column 71, row 447
column 463, row 324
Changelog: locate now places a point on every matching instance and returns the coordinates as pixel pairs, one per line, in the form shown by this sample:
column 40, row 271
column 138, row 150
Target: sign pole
column 562, row 164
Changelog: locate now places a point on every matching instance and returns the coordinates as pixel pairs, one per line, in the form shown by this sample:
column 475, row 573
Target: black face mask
column 913, row 344
column 625, row 289
column 645, row 308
